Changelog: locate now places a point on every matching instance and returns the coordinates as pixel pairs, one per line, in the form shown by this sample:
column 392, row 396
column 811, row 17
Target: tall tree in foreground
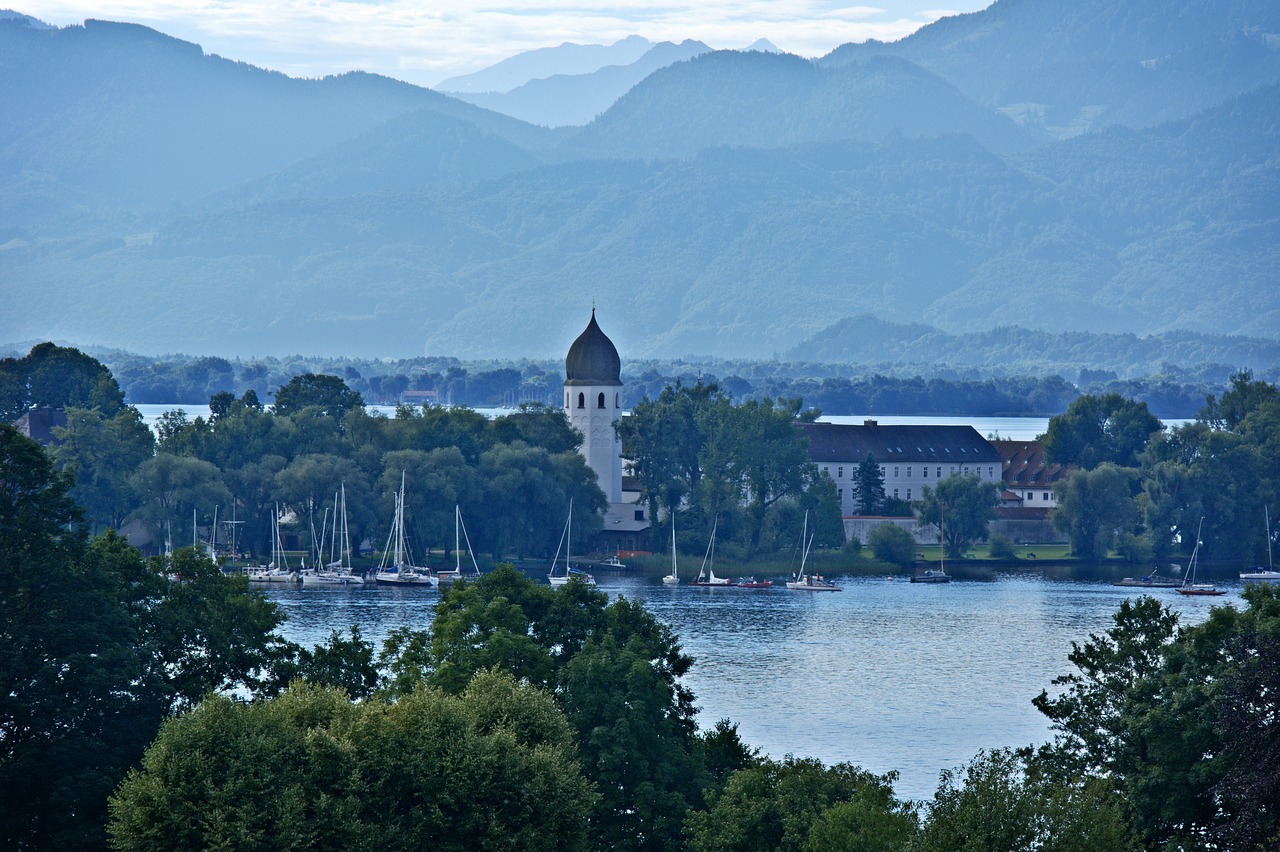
column 997, row 803
column 491, row 768
column 97, row 646
column 615, row 672
column 800, row 804
column 1181, row 723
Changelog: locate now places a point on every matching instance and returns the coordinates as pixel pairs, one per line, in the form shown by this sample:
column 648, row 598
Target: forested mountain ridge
column 769, row 100
column 1072, row 66
column 731, row 205
column 575, row 99
column 137, row 118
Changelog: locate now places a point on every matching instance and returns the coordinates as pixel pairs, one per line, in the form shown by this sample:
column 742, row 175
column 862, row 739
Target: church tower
column 593, row 403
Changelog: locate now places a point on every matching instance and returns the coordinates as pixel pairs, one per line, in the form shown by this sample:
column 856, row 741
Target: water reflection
column 886, row 675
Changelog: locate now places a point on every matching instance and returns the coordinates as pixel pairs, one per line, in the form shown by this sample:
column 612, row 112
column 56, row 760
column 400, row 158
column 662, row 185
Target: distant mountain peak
column 567, row 58
column 763, row 45
column 9, row 15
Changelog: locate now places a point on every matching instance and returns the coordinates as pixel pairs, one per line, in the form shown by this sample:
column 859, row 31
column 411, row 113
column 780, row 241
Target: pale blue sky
column 427, row 42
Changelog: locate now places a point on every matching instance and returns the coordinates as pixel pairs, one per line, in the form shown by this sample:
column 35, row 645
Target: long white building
column 910, row 457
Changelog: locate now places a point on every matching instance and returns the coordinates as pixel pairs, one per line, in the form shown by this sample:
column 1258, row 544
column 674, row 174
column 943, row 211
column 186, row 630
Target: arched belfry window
column 617, row 403
column 600, row 401
column 566, row 399
column 582, row 401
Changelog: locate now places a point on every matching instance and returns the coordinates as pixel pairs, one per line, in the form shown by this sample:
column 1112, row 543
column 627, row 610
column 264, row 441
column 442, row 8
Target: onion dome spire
column 593, row 359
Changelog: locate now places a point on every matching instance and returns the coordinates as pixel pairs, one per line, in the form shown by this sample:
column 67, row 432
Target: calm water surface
column 885, row 674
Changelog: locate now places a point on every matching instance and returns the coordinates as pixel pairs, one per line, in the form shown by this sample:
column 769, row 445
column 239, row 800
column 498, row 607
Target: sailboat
column 1268, row 574
column 672, row 579
column 1189, row 585
column 707, row 572
column 277, row 570
column 396, row 567
column 213, row 538
column 336, row 572
column 939, row 574
column 459, row 535
column 809, row 582
column 570, row 573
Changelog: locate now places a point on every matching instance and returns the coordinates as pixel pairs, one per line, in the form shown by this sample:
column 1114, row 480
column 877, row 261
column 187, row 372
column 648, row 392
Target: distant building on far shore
column 38, row 424
column 1023, row 513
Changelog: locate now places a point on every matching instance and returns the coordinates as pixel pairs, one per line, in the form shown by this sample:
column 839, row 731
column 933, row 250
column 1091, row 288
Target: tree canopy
column 98, row 646
column 1097, row 429
column 493, row 767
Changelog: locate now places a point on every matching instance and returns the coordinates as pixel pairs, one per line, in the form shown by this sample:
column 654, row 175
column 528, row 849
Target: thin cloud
column 401, row 39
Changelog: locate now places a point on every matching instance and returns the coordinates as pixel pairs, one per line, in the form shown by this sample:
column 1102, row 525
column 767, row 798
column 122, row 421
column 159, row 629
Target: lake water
column 1011, row 428
column 884, row 674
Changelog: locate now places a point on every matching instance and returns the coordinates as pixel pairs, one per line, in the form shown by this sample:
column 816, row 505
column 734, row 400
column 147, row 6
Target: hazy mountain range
column 1082, row 167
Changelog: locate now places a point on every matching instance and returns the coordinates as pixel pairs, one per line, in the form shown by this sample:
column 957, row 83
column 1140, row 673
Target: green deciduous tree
column 329, row 395
column 103, row 453
column 891, row 543
column 1093, row 506
column 56, row 377
column 799, row 804
column 97, row 647
column 491, row 768
column 614, row 670
column 995, row 804
column 168, row 488
column 759, row 452
column 663, row 440
column 1181, row 723
column 1097, row 429
column 961, row 507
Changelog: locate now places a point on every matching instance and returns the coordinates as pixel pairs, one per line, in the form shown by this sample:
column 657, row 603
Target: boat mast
column 673, row 545
column 1266, row 513
column 346, row 540
column 942, row 534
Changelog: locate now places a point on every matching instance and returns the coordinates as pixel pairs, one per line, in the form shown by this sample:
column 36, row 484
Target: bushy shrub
column 1135, row 549
column 1001, row 548
column 892, row 543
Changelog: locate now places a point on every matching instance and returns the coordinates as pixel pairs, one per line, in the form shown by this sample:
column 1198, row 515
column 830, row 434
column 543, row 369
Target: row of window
column 924, row 471
column 840, row 495
column 582, row 400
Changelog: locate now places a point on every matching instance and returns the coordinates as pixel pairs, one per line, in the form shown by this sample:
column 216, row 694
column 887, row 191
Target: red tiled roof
column 1024, row 466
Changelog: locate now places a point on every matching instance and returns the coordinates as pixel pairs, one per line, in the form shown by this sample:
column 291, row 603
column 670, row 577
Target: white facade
column 905, row 480
column 593, row 410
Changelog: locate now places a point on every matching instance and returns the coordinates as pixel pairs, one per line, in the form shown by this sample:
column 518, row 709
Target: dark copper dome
column 593, row 359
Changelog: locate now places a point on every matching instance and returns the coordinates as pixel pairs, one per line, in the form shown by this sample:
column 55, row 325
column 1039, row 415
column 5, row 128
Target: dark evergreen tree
column 868, row 487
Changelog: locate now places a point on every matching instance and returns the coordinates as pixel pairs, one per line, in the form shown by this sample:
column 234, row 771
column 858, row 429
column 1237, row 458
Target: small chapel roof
column 593, row 359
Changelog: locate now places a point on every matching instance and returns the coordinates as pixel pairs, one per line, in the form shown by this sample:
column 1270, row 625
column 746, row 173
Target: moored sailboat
column 804, row 581
column 459, row 535
column 1189, row 585
column 1268, row 574
column 556, row 578
column 396, row 567
column 672, row 579
column 939, row 574
column 707, row 571
column 277, row 570
column 337, row 571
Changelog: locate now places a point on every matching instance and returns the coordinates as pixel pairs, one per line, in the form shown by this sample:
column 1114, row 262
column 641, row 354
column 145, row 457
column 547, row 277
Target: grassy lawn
column 1028, row 552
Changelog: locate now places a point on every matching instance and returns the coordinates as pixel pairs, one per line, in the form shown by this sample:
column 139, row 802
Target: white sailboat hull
column 329, row 578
